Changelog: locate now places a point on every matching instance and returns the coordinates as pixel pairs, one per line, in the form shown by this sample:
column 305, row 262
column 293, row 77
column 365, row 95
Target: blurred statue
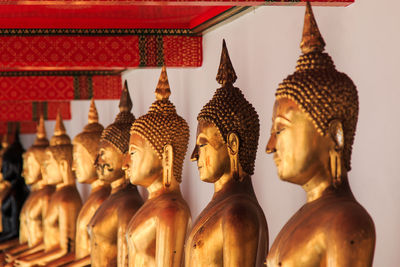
column 65, row 203
column 35, row 207
column 108, row 226
column 85, row 151
column 314, row 123
column 232, row 229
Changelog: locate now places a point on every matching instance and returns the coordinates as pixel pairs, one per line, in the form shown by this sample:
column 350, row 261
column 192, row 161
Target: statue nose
column 271, row 144
column 195, row 153
column 125, row 162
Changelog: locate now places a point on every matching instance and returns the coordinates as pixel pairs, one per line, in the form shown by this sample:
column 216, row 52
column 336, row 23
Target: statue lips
column 277, row 160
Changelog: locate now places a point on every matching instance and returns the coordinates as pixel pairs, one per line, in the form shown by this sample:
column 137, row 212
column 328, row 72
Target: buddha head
column 35, row 156
column 158, row 141
column 315, row 115
column 228, row 130
column 58, row 160
column 114, row 141
column 85, row 147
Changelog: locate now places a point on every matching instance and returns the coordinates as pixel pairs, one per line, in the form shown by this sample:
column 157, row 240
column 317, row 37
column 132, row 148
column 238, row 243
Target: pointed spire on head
column 226, row 73
column 312, row 40
column 40, row 129
column 163, row 90
column 125, row 102
column 41, row 139
column 59, row 129
column 93, row 116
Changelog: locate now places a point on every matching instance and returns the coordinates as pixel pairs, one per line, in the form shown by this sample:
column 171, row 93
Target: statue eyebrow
column 281, row 117
column 201, row 139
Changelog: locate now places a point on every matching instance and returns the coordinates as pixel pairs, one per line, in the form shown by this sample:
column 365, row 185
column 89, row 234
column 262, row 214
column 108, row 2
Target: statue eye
column 202, row 145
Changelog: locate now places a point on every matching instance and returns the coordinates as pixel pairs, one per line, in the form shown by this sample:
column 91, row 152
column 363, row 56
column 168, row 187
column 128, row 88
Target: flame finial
column 125, row 102
column 93, row 116
column 312, row 39
column 163, row 90
column 59, row 129
column 41, row 130
column 226, row 73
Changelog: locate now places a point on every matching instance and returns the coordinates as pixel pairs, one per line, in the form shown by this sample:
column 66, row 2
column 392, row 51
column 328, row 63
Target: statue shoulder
column 348, row 219
column 171, row 205
column 241, row 211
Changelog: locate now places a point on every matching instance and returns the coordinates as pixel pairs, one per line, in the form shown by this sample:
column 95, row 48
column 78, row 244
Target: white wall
column 363, row 40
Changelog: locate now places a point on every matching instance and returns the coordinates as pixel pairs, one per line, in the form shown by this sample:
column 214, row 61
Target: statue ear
column 233, row 143
column 168, row 164
column 336, row 152
column 336, row 133
column 63, row 167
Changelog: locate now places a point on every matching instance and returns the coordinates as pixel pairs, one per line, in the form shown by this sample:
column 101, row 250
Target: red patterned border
column 42, row 88
column 179, row 2
column 27, row 111
column 96, row 52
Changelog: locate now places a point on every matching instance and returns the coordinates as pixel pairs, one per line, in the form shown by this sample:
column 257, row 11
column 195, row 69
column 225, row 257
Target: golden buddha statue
column 35, row 207
column 85, row 147
column 65, row 203
column 108, row 226
column 158, row 143
column 314, row 123
column 232, row 229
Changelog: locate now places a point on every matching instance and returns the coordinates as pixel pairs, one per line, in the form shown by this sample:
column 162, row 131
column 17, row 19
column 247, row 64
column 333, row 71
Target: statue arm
column 122, row 246
column 240, row 229
column 8, row 244
column 26, row 253
column 80, row 263
column 170, row 236
column 61, row 261
column 67, row 221
column 17, row 249
column 23, row 228
column 351, row 243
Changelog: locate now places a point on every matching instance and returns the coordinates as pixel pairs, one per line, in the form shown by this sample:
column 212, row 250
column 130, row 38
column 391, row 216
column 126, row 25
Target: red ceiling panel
column 26, row 111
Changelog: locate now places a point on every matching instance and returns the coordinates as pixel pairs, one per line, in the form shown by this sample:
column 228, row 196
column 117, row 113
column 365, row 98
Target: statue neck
column 320, row 186
column 118, row 184
column 228, row 185
column 96, row 184
column 157, row 188
column 38, row 185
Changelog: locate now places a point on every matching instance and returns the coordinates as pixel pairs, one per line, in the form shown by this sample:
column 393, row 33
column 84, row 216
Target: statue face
column 211, row 153
column 31, row 168
column 144, row 165
column 109, row 163
column 300, row 151
column 52, row 169
column 83, row 165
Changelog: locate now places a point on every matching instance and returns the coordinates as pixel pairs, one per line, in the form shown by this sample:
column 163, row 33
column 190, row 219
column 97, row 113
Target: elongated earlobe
column 336, row 152
column 168, row 165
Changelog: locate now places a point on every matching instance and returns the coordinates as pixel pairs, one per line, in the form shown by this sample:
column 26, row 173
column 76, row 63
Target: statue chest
column 142, row 230
column 205, row 243
column 52, row 231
